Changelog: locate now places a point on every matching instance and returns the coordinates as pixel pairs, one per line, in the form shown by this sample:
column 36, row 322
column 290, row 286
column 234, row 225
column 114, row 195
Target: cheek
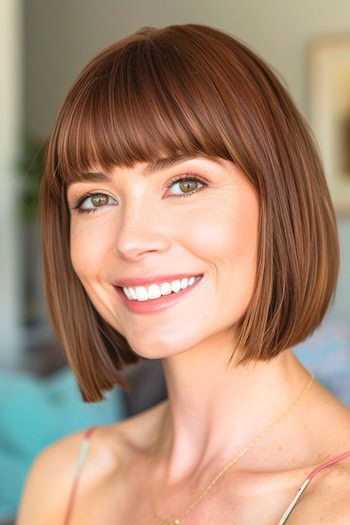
column 88, row 247
column 244, row 230
column 226, row 231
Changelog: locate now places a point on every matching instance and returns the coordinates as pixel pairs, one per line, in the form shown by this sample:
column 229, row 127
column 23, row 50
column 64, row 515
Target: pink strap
column 82, row 455
column 328, row 464
column 307, row 481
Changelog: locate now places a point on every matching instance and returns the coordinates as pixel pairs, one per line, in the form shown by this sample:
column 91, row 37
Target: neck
column 216, row 409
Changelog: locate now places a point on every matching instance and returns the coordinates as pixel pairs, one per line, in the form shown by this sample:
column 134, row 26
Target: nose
column 142, row 230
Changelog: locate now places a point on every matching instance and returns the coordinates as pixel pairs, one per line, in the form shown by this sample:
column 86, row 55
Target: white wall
column 62, row 36
column 10, row 125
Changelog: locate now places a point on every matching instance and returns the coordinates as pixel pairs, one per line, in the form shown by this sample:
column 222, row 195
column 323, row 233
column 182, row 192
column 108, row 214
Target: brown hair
column 191, row 89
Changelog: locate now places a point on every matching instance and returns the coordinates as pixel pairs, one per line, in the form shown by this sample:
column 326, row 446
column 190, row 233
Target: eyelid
column 187, row 176
column 78, row 201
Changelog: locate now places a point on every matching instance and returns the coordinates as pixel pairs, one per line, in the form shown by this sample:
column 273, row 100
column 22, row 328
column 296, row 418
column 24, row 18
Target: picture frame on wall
column 329, row 92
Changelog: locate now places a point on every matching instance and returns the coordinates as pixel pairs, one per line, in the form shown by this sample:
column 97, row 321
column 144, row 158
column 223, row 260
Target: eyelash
column 188, row 177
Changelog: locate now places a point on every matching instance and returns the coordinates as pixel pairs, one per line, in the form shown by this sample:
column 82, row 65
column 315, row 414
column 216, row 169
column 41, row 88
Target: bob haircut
column 191, row 90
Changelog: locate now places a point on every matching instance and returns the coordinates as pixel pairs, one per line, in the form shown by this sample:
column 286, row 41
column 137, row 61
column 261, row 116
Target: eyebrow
column 169, row 162
column 152, row 167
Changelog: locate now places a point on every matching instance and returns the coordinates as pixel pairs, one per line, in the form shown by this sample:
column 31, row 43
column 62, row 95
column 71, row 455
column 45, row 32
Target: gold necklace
column 183, row 516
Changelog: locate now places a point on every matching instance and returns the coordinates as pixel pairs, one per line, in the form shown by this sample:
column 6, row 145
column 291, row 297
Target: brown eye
column 95, row 201
column 188, row 185
column 99, row 200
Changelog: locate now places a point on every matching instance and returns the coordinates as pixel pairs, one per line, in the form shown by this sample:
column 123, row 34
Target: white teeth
column 131, row 293
column 127, row 293
column 184, row 283
column 165, row 289
column 176, row 285
column 154, row 291
column 141, row 293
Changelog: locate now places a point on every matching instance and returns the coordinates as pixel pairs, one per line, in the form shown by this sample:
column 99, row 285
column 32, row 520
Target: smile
column 154, row 291
column 164, row 299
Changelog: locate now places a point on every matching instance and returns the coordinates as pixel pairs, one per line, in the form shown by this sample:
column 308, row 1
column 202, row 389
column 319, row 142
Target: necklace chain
column 253, row 442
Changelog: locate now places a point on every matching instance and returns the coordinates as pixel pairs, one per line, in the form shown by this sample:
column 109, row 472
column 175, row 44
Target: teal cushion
column 35, row 412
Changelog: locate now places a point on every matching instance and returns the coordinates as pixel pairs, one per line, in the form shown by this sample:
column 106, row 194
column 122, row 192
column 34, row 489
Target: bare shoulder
column 50, row 478
column 48, row 482
column 326, row 500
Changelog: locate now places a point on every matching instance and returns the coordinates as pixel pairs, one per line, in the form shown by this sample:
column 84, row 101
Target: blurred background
column 43, row 46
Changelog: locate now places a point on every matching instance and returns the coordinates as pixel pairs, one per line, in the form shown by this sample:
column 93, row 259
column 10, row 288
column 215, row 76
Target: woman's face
column 131, row 223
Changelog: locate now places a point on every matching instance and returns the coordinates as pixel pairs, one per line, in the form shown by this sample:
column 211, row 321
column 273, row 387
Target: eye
column 187, row 185
column 92, row 202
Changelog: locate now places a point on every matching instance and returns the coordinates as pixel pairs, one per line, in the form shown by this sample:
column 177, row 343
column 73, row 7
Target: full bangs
column 145, row 98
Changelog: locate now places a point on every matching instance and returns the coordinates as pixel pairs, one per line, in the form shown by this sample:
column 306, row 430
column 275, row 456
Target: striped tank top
column 85, row 446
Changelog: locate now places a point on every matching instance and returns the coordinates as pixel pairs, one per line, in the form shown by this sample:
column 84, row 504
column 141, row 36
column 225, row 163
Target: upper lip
column 141, row 281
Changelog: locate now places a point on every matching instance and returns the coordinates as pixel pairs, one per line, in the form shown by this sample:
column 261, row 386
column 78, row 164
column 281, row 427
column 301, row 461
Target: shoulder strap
column 79, row 466
column 307, row 481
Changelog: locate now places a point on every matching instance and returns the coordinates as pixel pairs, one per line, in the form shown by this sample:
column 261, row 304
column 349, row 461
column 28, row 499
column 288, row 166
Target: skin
column 170, row 453
column 213, row 232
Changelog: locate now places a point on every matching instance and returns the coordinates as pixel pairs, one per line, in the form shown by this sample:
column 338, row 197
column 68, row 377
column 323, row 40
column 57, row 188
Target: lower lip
column 154, row 305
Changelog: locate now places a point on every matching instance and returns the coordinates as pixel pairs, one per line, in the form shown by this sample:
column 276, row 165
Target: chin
column 158, row 350
column 155, row 352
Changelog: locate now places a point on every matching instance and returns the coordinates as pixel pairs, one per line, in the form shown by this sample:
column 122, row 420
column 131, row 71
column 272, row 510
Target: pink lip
column 154, row 305
column 140, row 281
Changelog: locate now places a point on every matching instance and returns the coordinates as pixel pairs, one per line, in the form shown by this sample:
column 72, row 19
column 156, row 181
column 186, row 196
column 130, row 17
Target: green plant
column 31, row 168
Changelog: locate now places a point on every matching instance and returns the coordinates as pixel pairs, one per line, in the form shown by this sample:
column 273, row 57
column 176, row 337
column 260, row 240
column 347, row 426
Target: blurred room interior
column 44, row 44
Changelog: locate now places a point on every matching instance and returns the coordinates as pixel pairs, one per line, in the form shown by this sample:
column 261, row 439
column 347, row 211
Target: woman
column 179, row 166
